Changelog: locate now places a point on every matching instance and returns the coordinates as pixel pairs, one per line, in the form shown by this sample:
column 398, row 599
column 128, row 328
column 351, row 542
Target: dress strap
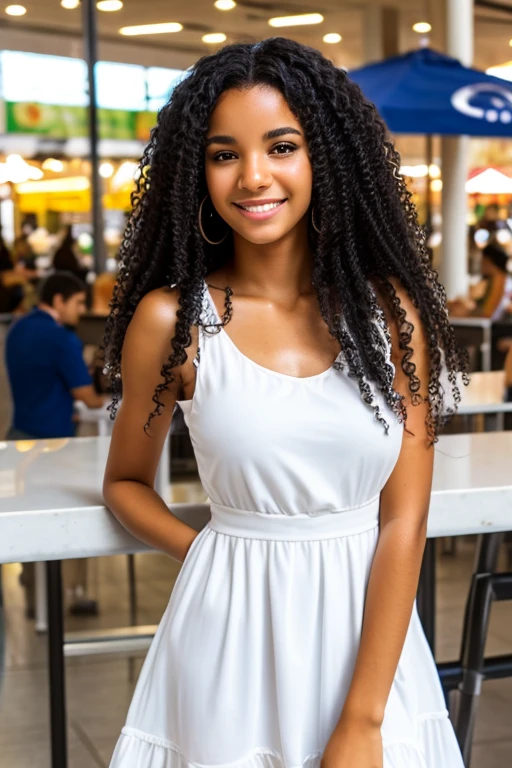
column 210, row 322
column 210, row 316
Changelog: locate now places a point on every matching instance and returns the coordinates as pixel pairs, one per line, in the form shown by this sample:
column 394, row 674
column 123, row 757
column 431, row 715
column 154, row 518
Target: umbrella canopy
column 427, row 92
column 489, row 182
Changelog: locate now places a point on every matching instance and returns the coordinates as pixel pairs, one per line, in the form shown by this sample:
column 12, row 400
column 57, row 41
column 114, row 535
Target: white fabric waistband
column 326, row 525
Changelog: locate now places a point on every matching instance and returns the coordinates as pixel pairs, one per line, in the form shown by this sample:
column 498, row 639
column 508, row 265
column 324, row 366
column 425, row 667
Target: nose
column 255, row 173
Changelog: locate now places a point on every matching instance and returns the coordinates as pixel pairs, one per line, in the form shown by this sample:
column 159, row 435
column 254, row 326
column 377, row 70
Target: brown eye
column 284, row 148
column 223, row 156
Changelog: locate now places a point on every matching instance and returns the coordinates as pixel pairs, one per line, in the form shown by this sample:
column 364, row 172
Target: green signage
column 65, row 122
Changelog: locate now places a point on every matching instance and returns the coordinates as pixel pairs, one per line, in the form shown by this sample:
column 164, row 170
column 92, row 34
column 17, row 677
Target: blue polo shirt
column 44, row 363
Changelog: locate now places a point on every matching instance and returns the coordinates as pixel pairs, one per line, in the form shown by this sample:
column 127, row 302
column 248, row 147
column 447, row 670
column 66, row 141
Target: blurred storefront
column 44, row 147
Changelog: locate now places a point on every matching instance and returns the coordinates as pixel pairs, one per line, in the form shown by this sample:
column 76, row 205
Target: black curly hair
column 368, row 225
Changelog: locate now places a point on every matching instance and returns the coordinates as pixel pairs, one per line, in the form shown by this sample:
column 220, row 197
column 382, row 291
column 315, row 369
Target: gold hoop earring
column 212, row 242
column 313, row 222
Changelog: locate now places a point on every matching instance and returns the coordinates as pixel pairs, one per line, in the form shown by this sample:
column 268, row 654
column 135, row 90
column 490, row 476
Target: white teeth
column 260, row 208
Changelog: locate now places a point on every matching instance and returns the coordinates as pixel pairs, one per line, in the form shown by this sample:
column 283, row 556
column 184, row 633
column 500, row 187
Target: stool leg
column 486, row 560
column 475, row 634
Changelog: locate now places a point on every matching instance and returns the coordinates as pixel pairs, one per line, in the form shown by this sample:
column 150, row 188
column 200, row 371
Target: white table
column 51, row 506
column 51, row 509
column 485, row 394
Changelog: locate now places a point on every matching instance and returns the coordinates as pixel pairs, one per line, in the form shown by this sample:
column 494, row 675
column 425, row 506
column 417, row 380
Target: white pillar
column 455, row 161
column 459, row 30
column 380, row 32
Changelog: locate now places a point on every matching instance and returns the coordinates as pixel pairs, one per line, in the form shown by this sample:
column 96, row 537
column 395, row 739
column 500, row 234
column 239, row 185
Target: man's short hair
column 60, row 282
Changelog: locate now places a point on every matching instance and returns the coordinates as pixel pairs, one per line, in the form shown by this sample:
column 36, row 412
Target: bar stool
column 466, row 676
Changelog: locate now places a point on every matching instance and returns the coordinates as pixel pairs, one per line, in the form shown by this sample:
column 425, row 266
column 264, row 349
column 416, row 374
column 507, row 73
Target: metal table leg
column 56, row 665
column 426, row 599
column 41, row 597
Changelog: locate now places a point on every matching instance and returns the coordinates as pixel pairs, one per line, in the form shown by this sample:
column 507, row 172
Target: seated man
column 46, row 370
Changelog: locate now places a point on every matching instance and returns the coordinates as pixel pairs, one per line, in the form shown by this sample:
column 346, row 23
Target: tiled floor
column 99, row 688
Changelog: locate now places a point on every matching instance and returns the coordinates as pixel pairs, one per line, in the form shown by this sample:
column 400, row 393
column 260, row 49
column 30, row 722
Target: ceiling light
column 214, row 37
column 332, row 37
column 224, row 5
column 106, row 170
column 15, row 170
column 414, row 171
column 422, row 27
column 70, row 184
column 152, row 29
column 295, row 21
column 70, row 5
column 15, row 10
column 53, row 165
column 109, row 5
column 125, row 175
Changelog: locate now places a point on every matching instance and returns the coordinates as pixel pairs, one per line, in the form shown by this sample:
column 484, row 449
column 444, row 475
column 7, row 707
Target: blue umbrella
column 427, row 92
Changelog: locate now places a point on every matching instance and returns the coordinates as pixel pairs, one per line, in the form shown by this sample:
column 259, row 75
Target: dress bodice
column 272, row 443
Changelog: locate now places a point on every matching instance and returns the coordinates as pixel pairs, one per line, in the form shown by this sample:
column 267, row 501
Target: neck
column 273, row 269
column 51, row 311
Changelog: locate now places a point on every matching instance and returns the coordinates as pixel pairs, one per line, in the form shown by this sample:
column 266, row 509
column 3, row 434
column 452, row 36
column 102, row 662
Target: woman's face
column 258, row 171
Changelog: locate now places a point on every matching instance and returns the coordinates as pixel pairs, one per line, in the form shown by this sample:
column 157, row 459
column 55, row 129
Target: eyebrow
column 273, row 134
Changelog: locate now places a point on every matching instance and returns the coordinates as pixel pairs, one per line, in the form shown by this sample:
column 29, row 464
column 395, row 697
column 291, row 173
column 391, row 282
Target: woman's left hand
column 353, row 745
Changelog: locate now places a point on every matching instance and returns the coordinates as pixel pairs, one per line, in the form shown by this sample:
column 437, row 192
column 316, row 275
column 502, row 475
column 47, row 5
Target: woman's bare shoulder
column 153, row 326
column 157, row 310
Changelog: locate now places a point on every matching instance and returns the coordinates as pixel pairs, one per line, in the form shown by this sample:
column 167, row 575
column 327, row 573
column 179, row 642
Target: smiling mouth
column 261, row 208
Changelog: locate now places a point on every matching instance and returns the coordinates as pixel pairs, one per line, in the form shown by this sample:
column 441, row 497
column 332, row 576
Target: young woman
column 274, row 283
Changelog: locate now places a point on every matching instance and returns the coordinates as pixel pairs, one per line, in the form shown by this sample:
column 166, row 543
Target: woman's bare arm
column 134, row 456
column 394, row 575
column 494, row 294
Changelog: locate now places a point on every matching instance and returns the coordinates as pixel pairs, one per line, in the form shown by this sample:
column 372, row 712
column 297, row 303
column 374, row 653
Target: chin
column 265, row 238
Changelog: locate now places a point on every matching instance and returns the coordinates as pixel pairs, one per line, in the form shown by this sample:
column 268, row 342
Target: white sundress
column 252, row 660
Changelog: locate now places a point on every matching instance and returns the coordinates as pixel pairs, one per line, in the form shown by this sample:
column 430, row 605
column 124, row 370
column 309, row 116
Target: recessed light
column 15, row 10
column 214, row 37
column 225, row 5
column 109, row 5
column 53, row 165
column 332, row 37
column 152, row 29
column 70, row 5
column 106, row 170
column 422, row 27
column 296, row 21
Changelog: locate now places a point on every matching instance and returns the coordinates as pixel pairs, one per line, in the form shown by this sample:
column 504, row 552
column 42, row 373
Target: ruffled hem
column 436, row 746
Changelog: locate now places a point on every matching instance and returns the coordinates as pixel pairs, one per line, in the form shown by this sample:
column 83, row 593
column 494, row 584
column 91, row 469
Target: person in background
column 23, row 254
column 26, row 272
column 44, row 362
column 496, row 300
column 11, row 284
column 65, row 257
column 508, row 374
column 102, row 291
column 47, row 374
